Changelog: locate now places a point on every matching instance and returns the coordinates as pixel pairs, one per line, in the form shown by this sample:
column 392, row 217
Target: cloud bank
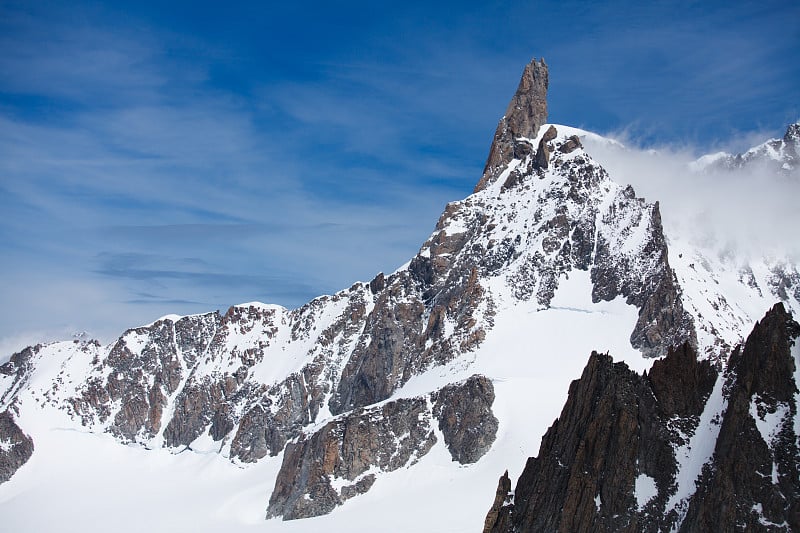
column 750, row 212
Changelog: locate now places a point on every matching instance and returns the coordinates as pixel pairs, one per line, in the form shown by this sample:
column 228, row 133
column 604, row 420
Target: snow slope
column 531, row 355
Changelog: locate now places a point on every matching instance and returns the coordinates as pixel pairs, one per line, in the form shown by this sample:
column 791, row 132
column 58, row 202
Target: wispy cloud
column 227, row 166
column 144, row 165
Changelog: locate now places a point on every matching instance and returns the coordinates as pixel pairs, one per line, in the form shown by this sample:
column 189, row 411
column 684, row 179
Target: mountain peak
column 525, row 114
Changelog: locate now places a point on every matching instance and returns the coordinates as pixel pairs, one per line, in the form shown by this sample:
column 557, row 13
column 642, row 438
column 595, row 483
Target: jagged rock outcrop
column 681, row 383
column 499, row 516
column 572, row 143
column 611, row 433
column 464, row 412
column 341, row 459
column 542, row 159
column 525, row 114
column 754, row 482
column 612, row 460
column 662, row 322
column 16, row 372
column 323, row 470
column 15, row 446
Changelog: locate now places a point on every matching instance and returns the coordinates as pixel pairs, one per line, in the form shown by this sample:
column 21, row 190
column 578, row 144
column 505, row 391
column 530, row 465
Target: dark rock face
column 143, row 369
column 662, row 322
column 15, row 446
column 525, row 114
column 755, row 482
column 372, row 375
column 608, row 463
column 465, row 418
column 141, row 383
column 340, row 460
column 499, row 515
column 19, row 366
column 572, row 144
column 542, row 159
column 387, row 437
column 265, row 428
column 405, row 332
column 686, row 396
column 610, row 432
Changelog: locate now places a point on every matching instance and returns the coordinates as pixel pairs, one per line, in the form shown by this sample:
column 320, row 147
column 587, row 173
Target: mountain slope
column 412, row 386
column 626, row 451
column 781, row 155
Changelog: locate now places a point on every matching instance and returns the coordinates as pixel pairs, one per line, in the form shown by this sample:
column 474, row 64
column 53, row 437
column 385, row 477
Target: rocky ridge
column 340, row 460
column 781, row 154
column 617, row 459
column 261, row 381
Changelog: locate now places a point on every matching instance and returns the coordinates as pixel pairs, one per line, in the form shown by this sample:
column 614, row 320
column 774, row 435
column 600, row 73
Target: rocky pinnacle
column 525, row 114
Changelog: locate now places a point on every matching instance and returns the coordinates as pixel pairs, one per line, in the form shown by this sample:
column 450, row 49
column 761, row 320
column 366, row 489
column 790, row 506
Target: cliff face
column 524, row 116
column 753, row 482
column 341, row 459
column 616, row 458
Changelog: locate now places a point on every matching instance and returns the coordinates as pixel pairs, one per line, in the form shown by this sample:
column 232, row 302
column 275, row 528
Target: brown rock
column 387, row 437
column 464, row 411
column 570, row 145
column 525, row 114
column 752, row 471
column 498, row 517
column 542, row 159
column 17, row 447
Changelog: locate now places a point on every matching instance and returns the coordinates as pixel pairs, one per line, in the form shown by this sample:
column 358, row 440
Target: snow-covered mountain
column 397, row 402
column 782, row 155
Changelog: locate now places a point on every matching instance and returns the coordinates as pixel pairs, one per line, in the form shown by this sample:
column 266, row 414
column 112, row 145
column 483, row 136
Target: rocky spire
column 525, row 114
column 620, row 433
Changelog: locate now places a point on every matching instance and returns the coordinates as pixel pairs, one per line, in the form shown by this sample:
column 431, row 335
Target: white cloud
column 751, row 212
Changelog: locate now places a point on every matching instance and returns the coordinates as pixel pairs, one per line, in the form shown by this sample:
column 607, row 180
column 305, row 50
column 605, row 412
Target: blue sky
column 184, row 158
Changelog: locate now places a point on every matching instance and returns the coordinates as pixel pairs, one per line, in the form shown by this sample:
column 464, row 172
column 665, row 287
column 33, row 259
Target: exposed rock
column 377, row 284
column 140, row 381
column 572, row 143
column 542, row 159
column 687, row 395
column 609, row 463
column 525, row 114
column 346, row 449
column 754, row 484
column 498, row 517
column 465, row 418
column 663, row 323
column 267, row 426
column 15, row 446
column 19, row 366
column 340, row 460
column 404, row 333
column 609, row 433
column 372, row 374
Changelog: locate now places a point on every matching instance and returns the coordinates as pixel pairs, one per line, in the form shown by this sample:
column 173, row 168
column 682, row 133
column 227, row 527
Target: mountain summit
column 525, row 115
column 414, row 390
